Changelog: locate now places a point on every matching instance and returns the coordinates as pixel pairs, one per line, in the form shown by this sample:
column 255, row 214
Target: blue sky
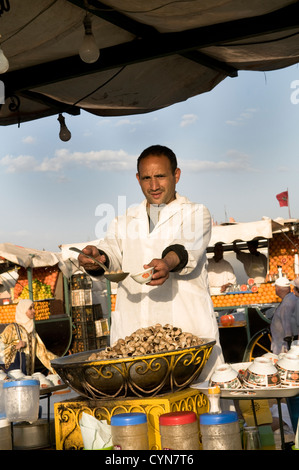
column 237, row 147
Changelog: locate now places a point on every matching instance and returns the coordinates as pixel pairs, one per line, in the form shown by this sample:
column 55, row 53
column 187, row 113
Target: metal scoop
column 113, row 277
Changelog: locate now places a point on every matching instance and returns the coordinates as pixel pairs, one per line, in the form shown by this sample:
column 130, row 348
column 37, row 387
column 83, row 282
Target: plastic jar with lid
column 220, row 431
column 129, row 431
column 179, row 430
column 21, row 400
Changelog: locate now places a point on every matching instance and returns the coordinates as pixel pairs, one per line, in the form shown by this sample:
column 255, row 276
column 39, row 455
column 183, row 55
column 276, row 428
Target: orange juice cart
column 43, row 277
column 248, row 334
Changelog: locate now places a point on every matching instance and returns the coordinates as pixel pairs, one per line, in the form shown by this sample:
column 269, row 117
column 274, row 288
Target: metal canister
column 129, row 431
column 220, row 431
column 179, row 430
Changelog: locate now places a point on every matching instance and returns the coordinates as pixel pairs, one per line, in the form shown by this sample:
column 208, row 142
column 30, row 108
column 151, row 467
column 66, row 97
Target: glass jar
column 220, row 431
column 129, row 431
column 251, row 438
column 179, row 431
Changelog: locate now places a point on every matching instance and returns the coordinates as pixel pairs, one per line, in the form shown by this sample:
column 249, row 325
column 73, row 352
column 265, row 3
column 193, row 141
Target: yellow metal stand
column 68, row 414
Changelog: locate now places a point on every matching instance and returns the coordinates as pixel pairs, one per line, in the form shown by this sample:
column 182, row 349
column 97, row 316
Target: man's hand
column 88, row 263
column 224, row 287
column 162, row 268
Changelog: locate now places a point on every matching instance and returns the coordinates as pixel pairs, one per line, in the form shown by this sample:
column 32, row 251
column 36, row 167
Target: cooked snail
column 149, row 340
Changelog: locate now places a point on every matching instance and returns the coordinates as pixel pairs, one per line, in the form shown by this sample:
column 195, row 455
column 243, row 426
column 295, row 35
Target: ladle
column 113, row 277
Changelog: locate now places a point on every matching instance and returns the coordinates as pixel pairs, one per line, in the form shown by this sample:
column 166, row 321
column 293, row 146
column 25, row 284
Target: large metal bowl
column 141, row 376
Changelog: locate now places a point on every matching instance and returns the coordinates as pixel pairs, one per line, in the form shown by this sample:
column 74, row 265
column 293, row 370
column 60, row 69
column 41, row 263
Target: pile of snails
column 150, row 340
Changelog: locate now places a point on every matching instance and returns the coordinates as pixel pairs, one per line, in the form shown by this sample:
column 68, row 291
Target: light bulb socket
column 64, row 133
column 87, row 25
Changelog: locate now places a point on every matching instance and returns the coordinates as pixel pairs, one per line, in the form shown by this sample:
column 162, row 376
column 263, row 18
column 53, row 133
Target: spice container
column 179, row 430
column 21, row 400
column 129, row 431
column 214, row 399
column 220, row 431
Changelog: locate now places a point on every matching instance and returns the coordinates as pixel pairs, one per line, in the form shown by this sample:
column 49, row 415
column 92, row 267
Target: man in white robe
column 171, row 234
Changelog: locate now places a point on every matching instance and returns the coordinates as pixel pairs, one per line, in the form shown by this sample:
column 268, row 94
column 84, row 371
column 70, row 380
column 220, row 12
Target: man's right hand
column 88, row 263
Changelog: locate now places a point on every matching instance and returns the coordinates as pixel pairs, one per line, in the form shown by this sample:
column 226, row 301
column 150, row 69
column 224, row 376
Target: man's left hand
column 162, row 268
column 161, row 271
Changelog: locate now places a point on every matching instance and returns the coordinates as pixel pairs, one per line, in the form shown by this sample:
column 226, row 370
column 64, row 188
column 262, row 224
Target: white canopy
column 244, row 231
column 32, row 258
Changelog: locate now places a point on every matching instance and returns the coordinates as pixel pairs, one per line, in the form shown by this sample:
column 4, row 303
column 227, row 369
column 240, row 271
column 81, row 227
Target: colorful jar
column 179, row 430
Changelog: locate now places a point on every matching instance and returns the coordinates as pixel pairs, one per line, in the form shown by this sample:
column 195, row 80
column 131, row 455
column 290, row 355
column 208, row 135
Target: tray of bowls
column 268, row 376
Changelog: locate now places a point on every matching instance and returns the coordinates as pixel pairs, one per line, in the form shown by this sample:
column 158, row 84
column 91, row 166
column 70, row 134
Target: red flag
column 283, row 198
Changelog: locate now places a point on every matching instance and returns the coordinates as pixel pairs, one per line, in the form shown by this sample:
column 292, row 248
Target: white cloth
column 220, row 273
column 255, row 265
column 183, row 300
column 21, row 317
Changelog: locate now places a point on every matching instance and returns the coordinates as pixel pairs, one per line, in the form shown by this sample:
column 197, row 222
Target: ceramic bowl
column 143, row 276
column 294, row 349
column 43, row 380
column 261, row 373
column 16, row 374
column 273, row 357
column 55, row 379
column 288, row 368
column 226, row 377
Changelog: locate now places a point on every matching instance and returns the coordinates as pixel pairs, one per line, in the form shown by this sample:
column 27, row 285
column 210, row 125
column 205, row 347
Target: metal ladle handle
column 91, row 257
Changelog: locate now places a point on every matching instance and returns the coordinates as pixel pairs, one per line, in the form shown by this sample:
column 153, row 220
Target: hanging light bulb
column 4, row 64
column 64, row 133
column 89, row 51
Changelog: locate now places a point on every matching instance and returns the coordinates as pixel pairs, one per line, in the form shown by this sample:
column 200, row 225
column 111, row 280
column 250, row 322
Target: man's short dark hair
column 159, row 150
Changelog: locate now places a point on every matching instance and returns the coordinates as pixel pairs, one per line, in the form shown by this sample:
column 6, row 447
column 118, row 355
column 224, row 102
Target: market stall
column 278, row 240
column 43, row 277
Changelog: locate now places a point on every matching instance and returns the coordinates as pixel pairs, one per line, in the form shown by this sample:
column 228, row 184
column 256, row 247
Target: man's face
column 157, row 180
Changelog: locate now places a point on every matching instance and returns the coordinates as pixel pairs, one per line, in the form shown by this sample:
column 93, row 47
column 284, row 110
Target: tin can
column 179, row 431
